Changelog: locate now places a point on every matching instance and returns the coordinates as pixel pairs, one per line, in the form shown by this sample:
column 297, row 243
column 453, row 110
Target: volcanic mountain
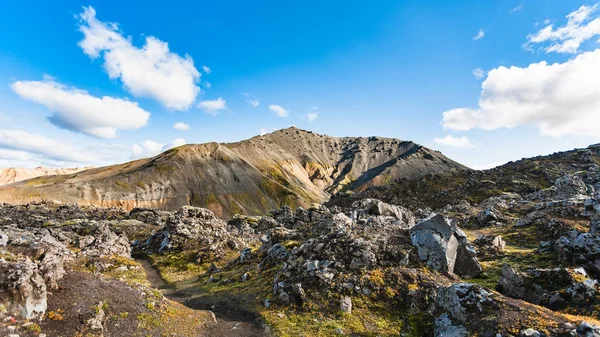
column 287, row 167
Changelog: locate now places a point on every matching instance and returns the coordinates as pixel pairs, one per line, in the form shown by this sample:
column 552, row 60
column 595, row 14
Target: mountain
column 15, row 174
column 287, row 167
column 439, row 189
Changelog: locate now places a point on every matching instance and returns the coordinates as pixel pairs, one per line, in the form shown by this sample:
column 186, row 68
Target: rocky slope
column 447, row 188
column 13, row 174
column 287, row 167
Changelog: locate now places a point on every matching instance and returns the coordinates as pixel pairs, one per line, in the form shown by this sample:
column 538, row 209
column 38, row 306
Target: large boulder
column 570, row 187
column 107, row 243
column 373, row 207
column 462, row 300
column 435, row 242
column 22, row 289
column 445, row 247
column 553, row 288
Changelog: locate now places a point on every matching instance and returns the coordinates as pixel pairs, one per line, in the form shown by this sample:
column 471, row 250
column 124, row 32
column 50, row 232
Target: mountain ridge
column 11, row 175
column 287, row 167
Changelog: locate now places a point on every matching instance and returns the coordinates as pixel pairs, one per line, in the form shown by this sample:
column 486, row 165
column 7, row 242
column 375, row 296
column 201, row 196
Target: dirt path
column 231, row 321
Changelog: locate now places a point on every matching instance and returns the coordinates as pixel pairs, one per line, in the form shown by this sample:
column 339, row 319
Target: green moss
column 148, row 321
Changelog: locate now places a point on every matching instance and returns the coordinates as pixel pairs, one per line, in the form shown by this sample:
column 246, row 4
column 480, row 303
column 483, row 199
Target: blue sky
column 101, row 82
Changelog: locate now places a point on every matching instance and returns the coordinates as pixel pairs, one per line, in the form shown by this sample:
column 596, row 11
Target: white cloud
column 279, row 110
column 181, row 126
column 479, row 35
column 21, row 145
column 517, row 8
column 567, row 39
column 78, row 111
column 559, row 99
column 311, row 116
column 251, row 99
column 206, row 69
column 213, row 106
column 449, row 140
column 151, row 71
column 206, row 85
column 149, row 148
column 263, row 131
column 6, row 154
column 479, row 73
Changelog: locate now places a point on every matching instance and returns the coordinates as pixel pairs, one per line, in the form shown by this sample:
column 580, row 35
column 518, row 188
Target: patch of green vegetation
column 164, row 168
column 148, row 321
column 121, row 184
column 178, row 266
column 34, row 327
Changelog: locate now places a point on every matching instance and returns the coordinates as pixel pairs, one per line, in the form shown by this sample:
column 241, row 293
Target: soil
column 231, row 321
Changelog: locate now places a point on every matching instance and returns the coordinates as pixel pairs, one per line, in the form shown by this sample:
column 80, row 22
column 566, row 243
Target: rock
column 443, row 327
column 553, row 288
column 365, row 207
column 462, row 299
column 245, row 255
column 107, row 243
column 511, row 283
column 588, row 330
column 3, row 239
column 97, row 322
column 436, row 244
column 284, row 216
column 277, row 252
column 52, row 267
column 487, row 217
column 467, row 265
column 265, row 223
column 570, row 187
column 530, row 333
column 445, row 247
column 346, row 304
column 299, row 291
column 22, row 289
column 332, row 223
column 284, row 297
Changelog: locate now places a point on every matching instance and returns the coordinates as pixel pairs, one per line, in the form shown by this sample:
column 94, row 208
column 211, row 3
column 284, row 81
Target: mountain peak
column 290, row 166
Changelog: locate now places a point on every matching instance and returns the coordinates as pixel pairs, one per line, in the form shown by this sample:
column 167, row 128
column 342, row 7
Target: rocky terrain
column 13, row 174
column 288, row 167
column 513, row 251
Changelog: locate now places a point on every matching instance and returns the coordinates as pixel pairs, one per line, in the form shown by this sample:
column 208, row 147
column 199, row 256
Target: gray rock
column 487, row 217
column 461, row 299
column 277, row 252
column 366, row 207
column 436, row 244
column 97, row 322
column 588, row 330
column 467, row 265
column 530, row 333
column 570, row 187
column 3, row 239
column 346, row 304
column 443, row 327
column 22, row 289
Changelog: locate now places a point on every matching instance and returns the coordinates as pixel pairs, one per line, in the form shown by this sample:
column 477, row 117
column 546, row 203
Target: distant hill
column 15, row 174
column 289, row 166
